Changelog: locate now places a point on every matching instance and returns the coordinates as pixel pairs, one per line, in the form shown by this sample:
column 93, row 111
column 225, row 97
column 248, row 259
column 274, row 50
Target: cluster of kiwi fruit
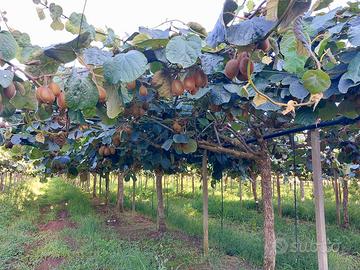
column 143, row 91
column 193, row 80
column 49, row 92
column 237, row 67
column 8, row 92
column 105, row 151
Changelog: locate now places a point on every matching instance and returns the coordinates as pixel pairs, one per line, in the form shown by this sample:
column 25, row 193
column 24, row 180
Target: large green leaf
column 316, row 81
column 114, row 105
column 184, row 50
column 80, row 92
column 354, row 31
column 6, row 77
column 66, row 52
column 46, row 64
column 353, row 72
column 190, row 147
column 8, row 46
column 249, row 31
column 294, row 63
column 125, row 67
column 74, row 22
column 26, row 100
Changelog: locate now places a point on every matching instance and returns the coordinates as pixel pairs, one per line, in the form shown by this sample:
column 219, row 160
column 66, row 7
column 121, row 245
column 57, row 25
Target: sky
column 123, row 16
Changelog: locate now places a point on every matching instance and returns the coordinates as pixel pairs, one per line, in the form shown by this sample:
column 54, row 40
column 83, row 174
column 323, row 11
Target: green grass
column 241, row 234
column 92, row 244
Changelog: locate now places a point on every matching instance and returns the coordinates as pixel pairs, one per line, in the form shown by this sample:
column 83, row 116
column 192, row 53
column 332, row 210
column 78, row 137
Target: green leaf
column 167, row 144
column 114, row 105
column 80, row 92
column 6, row 77
column 305, row 116
column 55, row 11
column 66, row 52
column 354, row 31
column 57, row 25
column 248, row 31
column 184, row 50
column 190, row 147
column 125, row 67
column 74, row 22
column 8, row 46
column 25, row 100
column 294, row 63
column 316, row 81
column 180, row 138
column 46, row 64
column 353, row 72
column 8, row 108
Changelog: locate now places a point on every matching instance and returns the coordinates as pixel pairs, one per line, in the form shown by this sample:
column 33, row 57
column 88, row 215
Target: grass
column 89, row 245
column 241, row 233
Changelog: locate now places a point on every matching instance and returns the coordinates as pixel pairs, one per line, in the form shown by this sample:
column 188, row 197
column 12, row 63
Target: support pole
column 319, row 201
column 204, row 174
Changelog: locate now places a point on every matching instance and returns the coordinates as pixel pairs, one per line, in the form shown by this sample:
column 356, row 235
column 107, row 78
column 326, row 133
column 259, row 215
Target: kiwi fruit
column 55, row 88
column 232, row 69
column 177, row 88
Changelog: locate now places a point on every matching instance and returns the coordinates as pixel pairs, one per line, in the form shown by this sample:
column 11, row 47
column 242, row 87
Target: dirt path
column 61, row 222
column 137, row 227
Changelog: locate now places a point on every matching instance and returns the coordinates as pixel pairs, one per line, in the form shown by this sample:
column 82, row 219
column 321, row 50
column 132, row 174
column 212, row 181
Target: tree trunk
column 226, row 183
column 345, row 203
column 133, row 197
column 254, row 189
column 120, row 193
column 337, row 201
column 107, row 182
column 177, row 184
column 181, row 183
column 240, row 191
column 161, row 225
column 319, row 200
column 193, row 184
column 204, row 178
column 231, row 183
column 2, row 184
column 94, row 186
column 146, row 181
column 302, row 189
column 100, row 183
column 278, row 188
column 269, row 232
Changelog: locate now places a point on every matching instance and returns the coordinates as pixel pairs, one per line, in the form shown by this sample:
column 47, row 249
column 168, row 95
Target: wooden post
column 161, row 225
column 133, row 197
column 204, row 178
column 193, row 184
column 278, row 195
column 337, row 200
column 345, row 203
column 94, row 186
column 120, row 193
column 319, row 200
column 181, row 183
column 240, row 191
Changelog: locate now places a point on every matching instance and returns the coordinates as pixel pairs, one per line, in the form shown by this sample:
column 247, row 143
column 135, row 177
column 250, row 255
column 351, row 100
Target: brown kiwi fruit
column 177, row 88
column 244, row 64
column 45, row 95
column 131, row 85
column 106, row 151
column 232, row 68
column 102, row 94
column 264, row 45
column 10, row 91
column 55, row 88
column 116, row 140
column 177, row 127
column 60, row 101
column 112, row 150
column 101, row 150
column 143, row 91
column 189, row 84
